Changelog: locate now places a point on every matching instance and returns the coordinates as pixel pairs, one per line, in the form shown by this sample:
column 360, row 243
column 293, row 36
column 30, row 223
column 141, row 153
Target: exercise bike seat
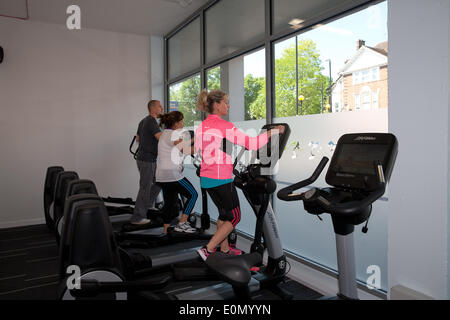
column 234, row 269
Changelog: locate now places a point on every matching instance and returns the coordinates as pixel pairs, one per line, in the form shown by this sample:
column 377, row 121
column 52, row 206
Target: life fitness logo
column 365, row 138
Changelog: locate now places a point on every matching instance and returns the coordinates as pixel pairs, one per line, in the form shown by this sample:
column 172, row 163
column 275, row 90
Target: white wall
column 70, row 98
column 418, row 116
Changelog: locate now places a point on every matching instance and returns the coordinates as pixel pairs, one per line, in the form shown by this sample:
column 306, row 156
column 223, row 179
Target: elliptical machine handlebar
column 134, row 153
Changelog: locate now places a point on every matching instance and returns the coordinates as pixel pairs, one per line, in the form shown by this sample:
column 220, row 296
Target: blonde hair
column 205, row 100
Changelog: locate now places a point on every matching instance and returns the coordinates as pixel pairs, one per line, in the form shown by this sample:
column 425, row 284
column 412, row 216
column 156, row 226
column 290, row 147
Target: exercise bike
column 359, row 170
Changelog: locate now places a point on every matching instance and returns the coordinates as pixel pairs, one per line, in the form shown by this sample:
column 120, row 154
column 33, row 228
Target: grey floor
column 29, row 267
column 28, row 263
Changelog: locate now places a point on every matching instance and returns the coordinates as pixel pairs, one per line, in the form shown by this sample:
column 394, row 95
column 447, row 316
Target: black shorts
column 226, row 199
column 170, row 193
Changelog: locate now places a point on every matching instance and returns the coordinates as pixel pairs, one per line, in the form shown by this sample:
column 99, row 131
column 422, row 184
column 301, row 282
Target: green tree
column 214, row 78
column 311, row 83
column 186, row 95
column 254, row 88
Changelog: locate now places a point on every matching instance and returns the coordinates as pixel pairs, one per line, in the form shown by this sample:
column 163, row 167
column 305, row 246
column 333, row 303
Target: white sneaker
column 184, row 227
column 143, row 221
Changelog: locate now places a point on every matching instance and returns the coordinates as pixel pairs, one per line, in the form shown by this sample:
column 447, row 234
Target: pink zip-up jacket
column 209, row 135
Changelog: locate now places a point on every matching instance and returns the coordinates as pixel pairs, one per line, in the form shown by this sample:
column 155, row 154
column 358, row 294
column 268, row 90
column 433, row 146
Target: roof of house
column 382, row 48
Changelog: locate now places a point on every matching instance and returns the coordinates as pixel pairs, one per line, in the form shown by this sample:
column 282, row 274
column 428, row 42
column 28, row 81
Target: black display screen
column 359, row 158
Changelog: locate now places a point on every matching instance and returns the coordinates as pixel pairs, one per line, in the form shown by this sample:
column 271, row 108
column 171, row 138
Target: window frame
column 270, row 38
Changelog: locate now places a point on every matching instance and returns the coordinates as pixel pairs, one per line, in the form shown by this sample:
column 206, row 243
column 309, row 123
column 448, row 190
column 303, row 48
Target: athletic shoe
column 141, row 222
column 204, row 253
column 185, row 227
column 233, row 252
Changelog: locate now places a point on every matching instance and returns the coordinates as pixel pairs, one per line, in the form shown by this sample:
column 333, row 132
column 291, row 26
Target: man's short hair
column 151, row 104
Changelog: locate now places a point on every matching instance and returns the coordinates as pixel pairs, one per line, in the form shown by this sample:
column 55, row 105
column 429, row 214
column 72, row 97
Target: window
column 375, row 100
column 184, row 50
column 301, row 88
column 356, row 77
column 375, row 74
column 336, row 107
column 365, row 76
column 313, row 68
column 232, row 25
column 243, row 78
column 357, row 102
column 183, row 97
column 366, row 100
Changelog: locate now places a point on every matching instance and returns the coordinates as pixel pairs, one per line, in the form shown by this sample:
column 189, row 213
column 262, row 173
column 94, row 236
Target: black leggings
column 170, row 193
column 226, row 199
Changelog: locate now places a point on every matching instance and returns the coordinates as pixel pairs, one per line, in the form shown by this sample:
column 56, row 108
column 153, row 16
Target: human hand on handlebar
column 276, row 130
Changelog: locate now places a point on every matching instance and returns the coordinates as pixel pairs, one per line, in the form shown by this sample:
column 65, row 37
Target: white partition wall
column 71, row 98
column 418, row 233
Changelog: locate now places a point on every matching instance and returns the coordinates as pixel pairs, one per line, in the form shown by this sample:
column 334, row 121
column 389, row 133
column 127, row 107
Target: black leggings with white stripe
column 170, row 193
column 226, row 199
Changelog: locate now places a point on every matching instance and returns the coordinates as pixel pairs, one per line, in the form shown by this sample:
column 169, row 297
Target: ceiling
column 144, row 17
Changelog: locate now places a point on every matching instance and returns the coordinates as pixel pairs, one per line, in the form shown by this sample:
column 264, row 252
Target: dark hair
column 151, row 103
column 205, row 100
column 169, row 119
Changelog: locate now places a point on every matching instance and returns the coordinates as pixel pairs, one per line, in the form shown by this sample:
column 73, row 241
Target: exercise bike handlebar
column 354, row 207
column 287, row 194
column 345, row 209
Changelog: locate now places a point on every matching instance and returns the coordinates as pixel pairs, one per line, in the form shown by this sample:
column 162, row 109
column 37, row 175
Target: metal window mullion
column 202, row 50
column 269, row 62
column 166, row 74
column 296, row 72
column 203, row 75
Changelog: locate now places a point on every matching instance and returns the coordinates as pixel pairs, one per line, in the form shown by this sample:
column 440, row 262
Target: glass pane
column 232, row 25
column 183, row 97
column 184, row 50
column 336, row 54
column 213, row 78
column 244, row 79
column 294, row 14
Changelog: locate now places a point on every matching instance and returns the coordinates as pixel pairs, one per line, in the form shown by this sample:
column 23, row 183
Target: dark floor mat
column 28, row 263
column 29, row 269
column 297, row 290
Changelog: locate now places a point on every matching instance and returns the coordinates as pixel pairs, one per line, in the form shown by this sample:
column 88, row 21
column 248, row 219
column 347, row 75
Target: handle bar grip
column 353, row 207
column 286, row 193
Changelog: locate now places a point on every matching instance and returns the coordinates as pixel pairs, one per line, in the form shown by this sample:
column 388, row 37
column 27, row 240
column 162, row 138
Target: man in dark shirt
column 148, row 134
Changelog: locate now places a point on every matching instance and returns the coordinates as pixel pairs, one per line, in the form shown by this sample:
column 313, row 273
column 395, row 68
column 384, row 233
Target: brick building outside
column 362, row 83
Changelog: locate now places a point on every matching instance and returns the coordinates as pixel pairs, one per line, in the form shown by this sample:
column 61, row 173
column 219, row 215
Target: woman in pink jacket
column 216, row 171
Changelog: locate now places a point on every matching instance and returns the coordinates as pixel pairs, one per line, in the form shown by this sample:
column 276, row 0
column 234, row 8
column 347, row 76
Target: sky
column 335, row 41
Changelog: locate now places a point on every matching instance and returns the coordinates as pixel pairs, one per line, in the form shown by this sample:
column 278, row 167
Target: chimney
column 360, row 43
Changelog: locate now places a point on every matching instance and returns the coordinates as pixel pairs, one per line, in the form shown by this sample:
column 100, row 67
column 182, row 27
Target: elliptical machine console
column 359, row 170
